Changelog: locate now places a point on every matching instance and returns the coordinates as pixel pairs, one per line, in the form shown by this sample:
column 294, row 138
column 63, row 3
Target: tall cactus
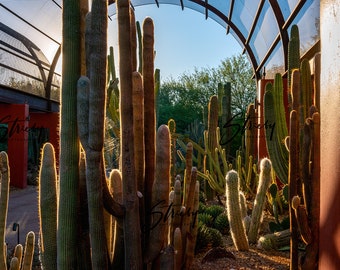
column 5, row 181
column 259, row 203
column 160, row 194
column 274, row 113
column 224, row 97
column 149, row 109
column 237, row 229
column 48, row 206
column 132, row 234
column 91, row 102
column 69, row 145
column 304, row 165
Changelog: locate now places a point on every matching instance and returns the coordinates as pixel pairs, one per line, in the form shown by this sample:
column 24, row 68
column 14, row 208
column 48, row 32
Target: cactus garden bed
column 227, row 257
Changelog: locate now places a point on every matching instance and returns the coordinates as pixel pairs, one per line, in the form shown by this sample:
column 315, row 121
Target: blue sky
column 184, row 39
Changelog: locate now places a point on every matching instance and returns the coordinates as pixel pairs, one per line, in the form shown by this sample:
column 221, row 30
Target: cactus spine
column 48, row 206
column 237, row 228
column 256, row 217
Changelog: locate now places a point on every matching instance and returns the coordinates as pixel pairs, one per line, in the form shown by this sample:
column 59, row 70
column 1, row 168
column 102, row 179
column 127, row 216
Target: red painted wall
column 50, row 121
column 17, row 118
column 19, row 121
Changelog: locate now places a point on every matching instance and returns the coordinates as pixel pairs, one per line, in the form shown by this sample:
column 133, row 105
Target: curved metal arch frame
column 238, row 33
column 282, row 24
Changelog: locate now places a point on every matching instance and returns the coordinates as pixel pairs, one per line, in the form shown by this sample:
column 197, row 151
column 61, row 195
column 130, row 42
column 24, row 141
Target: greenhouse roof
column 260, row 26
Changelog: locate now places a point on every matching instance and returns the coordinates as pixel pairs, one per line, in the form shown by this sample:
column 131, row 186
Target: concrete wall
column 330, row 135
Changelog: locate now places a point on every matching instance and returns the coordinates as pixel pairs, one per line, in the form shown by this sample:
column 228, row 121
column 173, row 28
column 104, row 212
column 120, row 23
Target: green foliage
column 185, row 98
column 205, row 218
column 221, row 223
column 214, row 210
column 207, row 237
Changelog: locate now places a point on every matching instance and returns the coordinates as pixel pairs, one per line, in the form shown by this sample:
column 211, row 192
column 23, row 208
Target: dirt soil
column 252, row 259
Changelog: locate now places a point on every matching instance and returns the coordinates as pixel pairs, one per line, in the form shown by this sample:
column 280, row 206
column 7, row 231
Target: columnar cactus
column 237, row 228
column 274, row 113
column 293, row 54
column 29, row 251
column 256, row 216
column 48, row 206
column 304, row 168
column 130, row 229
column 118, row 231
column 160, row 194
column 69, row 145
column 149, row 110
column 5, row 181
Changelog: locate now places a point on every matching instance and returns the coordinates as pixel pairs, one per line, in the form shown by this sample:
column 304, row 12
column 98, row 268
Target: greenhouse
column 292, row 47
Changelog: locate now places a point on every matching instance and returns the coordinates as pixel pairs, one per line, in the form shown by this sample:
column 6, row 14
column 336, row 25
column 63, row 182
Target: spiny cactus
column 5, row 182
column 91, row 102
column 237, row 228
column 274, row 112
column 293, row 54
column 177, row 243
column 256, row 216
column 161, row 189
column 48, row 206
column 18, row 252
column 224, row 97
column 29, row 251
column 69, row 145
column 274, row 241
column 304, row 167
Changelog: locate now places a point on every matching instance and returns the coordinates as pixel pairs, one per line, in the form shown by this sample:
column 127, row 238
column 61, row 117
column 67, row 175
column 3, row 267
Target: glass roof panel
column 287, row 6
column 308, row 22
column 45, row 17
column 243, row 15
column 11, row 42
column 222, row 6
column 265, row 32
column 275, row 63
column 194, row 6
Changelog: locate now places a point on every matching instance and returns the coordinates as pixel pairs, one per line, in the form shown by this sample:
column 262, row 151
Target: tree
column 184, row 99
column 238, row 71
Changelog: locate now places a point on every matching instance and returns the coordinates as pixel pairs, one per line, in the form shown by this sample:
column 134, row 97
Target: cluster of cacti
column 247, row 172
column 120, row 224
column 274, row 112
column 295, row 155
column 22, row 259
column 304, row 175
